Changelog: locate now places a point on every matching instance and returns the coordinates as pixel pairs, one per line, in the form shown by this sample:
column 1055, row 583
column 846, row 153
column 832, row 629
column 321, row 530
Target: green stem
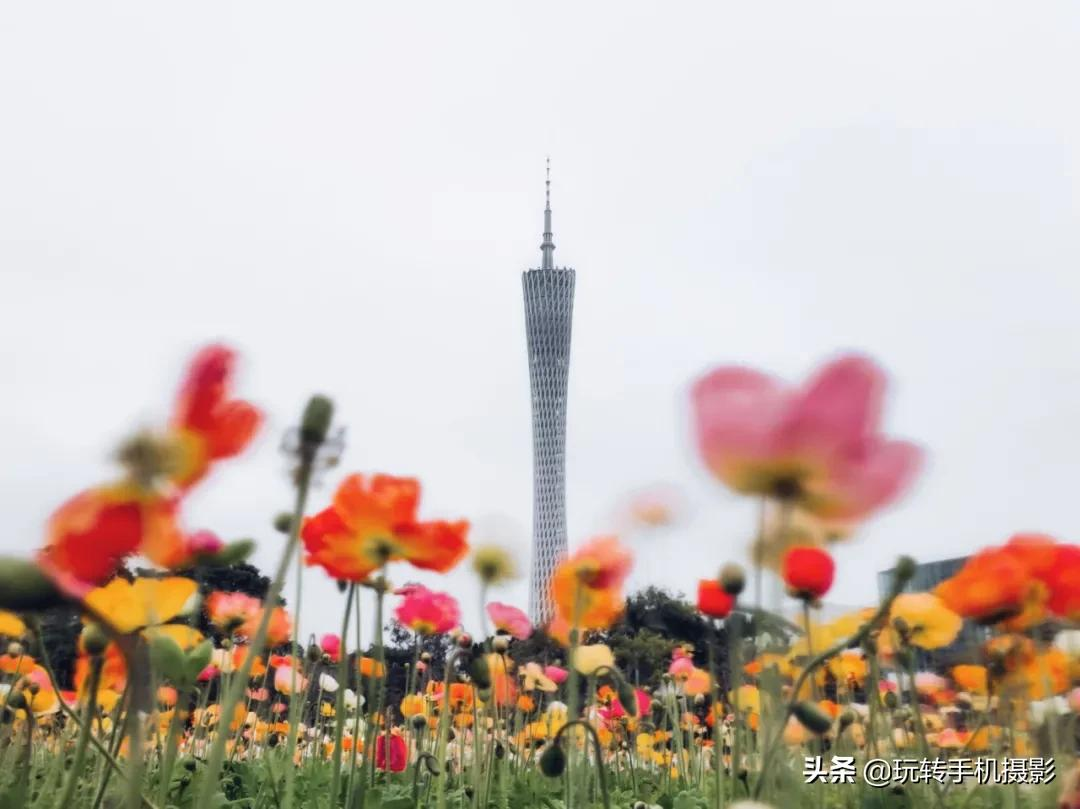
column 76, row 771
column 339, row 729
column 898, row 584
column 210, row 779
column 601, row 777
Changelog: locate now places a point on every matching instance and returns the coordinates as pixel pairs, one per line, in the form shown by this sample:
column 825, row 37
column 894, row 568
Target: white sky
column 348, row 193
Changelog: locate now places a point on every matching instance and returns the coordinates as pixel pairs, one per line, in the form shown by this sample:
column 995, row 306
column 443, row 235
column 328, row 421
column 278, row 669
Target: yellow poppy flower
column 589, row 659
column 929, row 623
column 129, row 606
column 11, row 625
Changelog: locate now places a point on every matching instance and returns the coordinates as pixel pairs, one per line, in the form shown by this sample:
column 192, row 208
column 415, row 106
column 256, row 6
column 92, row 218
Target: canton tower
column 549, row 309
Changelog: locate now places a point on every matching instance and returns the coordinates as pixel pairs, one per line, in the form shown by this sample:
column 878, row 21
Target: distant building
column 928, row 576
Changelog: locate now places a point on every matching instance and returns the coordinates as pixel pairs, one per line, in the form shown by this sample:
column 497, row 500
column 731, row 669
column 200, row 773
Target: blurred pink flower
column 284, row 680
column 204, row 543
column 208, row 674
column 426, row 612
column 509, row 619
column 331, row 645
column 681, row 666
column 556, row 674
column 818, row 445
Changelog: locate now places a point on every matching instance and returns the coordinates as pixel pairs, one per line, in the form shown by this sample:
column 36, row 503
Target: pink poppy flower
column 331, row 645
column 681, row 667
column 617, row 711
column 204, row 543
column 510, row 620
column 283, row 680
column 426, row 612
column 817, row 445
column 208, row 674
column 556, row 674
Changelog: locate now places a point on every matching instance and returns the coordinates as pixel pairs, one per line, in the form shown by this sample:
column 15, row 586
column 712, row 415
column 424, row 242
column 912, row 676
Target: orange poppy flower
column 16, row 665
column 970, row 678
column 992, row 586
column 411, row 705
column 278, row 632
column 113, row 671
column 370, row 667
column 372, row 521
column 210, row 425
column 587, row 587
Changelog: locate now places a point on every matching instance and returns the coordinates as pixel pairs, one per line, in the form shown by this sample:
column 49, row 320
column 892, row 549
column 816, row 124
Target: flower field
column 178, row 687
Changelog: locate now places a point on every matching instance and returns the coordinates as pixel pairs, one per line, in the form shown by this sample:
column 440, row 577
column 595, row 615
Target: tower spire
column 547, row 248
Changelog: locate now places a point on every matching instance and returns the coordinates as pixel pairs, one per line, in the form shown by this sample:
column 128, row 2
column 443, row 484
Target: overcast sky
column 349, row 192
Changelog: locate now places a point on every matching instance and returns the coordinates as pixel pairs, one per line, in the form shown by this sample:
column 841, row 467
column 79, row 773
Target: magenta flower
column 426, row 612
column 817, row 446
column 331, row 646
column 510, row 620
column 204, row 543
column 616, row 710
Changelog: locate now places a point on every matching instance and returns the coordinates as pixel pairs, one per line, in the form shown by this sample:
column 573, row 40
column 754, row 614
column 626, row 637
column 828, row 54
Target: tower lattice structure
column 549, row 309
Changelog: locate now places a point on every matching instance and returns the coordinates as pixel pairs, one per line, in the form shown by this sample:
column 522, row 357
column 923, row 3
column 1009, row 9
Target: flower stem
column 339, row 717
column 235, row 691
column 76, row 771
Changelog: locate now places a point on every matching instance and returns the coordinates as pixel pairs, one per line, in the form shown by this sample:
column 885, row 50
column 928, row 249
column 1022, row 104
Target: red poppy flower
column 1063, row 581
column 808, row 572
column 713, row 600
column 91, row 534
column 397, row 752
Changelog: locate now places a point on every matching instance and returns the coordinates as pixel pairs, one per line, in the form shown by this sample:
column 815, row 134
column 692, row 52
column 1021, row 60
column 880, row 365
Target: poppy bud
column 283, row 522
column 15, row 649
column 627, row 697
column 464, row 640
column 315, row 423
column 846, row 718
column 234, row 552
column 812, row 717
column 430, row 763
column 426, row 657
column 94, row 640
column 891, row 700
column 15, row 700
column 480, row 674
column 419, row 721
column 904, row 570
column 553, row 761
column 500, row 643
column 167, row 657
column 732, row 578
column 23, row 587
